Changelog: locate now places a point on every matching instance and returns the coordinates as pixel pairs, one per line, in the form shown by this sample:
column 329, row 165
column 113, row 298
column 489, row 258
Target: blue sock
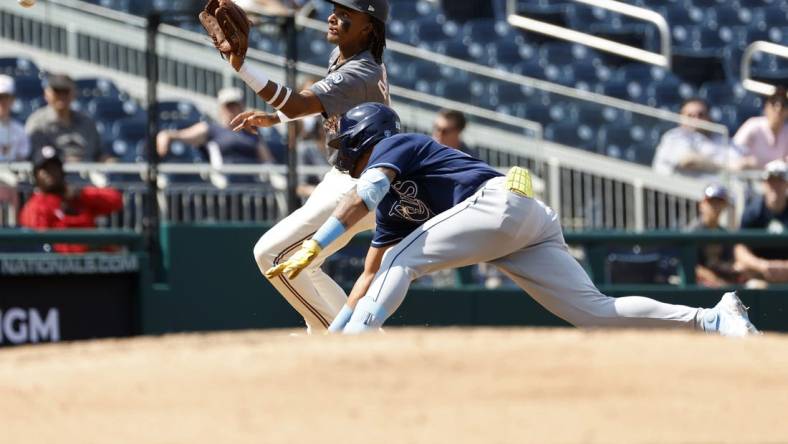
column 341, row 320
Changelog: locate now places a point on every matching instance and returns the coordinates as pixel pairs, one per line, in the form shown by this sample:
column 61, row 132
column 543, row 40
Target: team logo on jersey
column 409, row 207
column 336, row 78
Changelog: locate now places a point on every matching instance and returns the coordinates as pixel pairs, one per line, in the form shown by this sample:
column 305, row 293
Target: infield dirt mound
column 407, row 386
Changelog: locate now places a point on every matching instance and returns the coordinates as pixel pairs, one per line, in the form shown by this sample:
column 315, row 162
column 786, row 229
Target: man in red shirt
column 57, row 205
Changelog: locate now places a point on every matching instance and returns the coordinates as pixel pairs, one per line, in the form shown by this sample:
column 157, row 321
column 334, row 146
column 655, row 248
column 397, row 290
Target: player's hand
column 297, row 262
column 251, row 120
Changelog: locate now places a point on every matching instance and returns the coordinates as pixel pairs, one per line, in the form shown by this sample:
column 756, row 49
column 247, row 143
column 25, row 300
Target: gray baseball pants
column 522, row 237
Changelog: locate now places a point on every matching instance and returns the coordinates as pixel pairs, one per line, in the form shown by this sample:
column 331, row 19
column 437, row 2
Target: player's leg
column 313, row 294
column 549, row 274
column 477, row 230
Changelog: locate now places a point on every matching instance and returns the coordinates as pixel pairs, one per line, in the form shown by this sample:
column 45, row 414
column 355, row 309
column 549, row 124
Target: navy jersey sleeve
column 397, row 153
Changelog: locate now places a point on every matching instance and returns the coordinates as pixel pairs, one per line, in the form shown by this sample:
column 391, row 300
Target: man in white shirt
column 14, row 144
column 692, row 151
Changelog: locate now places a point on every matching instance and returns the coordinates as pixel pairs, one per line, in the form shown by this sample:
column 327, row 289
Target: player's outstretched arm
column 289, row 105
column 360, row 288
column 365, row 197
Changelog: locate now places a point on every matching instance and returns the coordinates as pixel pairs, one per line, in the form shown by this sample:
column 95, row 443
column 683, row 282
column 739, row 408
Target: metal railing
column 660, row 59
column 746, row 60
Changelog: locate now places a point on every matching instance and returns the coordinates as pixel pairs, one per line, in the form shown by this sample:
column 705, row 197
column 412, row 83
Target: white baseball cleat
column 729, row 318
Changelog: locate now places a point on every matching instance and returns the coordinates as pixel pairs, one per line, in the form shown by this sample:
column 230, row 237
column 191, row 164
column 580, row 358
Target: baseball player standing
column 439, row 208
column 356, row 74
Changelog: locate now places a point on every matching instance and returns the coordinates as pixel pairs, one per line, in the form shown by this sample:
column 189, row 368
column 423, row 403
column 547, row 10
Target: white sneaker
column 729, row 318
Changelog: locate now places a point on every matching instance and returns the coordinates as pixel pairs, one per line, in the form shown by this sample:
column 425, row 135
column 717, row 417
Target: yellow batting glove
column 297, row 262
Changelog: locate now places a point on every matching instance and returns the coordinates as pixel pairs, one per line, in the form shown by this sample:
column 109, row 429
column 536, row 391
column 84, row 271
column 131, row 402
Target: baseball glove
column 228, row 26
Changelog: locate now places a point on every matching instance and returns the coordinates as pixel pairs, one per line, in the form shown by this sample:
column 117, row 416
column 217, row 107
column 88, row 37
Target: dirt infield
column 407, row 386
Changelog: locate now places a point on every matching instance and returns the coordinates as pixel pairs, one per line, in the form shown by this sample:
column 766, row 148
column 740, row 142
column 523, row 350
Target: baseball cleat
column 729, row 318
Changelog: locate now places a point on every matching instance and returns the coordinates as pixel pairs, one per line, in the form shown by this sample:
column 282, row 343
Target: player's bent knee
column 264, row 253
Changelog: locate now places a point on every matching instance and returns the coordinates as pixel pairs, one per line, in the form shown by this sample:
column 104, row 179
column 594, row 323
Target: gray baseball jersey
column 357, row 80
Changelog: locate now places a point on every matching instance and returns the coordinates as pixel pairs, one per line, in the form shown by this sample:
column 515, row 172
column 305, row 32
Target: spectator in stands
column 715, row 262
column 55, row 204
column 14, row 144
column 765, row 138
column 693, row 151
column 447, row 130
column 769, row 212
column 69, row 131
column 222, row 143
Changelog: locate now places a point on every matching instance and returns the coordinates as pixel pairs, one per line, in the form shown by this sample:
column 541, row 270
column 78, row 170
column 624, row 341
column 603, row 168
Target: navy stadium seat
column 728, row 15
column 18, row 66
column 581, row 17
column 530, row 68
column 571, row 134
column 28, row 87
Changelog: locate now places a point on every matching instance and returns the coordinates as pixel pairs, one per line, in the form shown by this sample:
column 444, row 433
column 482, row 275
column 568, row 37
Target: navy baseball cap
column 44, row 155
column 717, row 191
column 376, row 8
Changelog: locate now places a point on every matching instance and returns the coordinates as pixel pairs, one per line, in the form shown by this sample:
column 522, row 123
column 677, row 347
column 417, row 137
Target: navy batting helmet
column 360, row 129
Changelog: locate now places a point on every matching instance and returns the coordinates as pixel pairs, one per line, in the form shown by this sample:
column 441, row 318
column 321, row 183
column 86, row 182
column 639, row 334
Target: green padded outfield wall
column 212, row 283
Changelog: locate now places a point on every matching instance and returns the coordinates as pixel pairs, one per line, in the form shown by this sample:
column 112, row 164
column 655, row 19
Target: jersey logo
column 336, row 78
column 409, row 207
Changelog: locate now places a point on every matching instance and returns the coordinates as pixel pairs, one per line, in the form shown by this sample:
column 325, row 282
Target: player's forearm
column 360, row 288
column 288, row 103
column 746, row 260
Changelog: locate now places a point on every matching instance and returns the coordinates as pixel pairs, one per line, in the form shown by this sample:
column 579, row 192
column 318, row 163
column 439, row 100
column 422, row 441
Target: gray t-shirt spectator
column 79, row 141
column 358, row 80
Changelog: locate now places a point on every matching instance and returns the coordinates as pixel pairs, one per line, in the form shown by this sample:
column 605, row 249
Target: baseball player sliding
column 356, row 74
column 439, row 208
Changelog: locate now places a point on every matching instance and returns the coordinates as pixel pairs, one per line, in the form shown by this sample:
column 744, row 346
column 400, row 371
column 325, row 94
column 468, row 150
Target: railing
column 746, row 60
column 661, row 59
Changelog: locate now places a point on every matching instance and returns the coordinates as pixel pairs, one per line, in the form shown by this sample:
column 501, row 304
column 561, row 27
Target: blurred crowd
column 58, row 133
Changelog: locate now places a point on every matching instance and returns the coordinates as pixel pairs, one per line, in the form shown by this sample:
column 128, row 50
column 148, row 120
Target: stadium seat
column 581, row 17
column 622, row 89
column 22, row 109
column 530, row 68
column 509, row 53
column 728, row 15
column 769, row 17
column 681, row 15
column 28, row 88
column 178, row 114
column 697, row 67
column 720, row 92
column 596, row 115
column 561, row 53
column 588, row 74
column 571, row 134
column 533, row 111
column 427, row 29
column 128, row 143
column 667, row 94
column 18, row 66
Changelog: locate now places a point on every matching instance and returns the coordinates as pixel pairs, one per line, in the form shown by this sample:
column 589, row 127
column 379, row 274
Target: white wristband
column 256, row 79
column 276, row 95
column 284, row 101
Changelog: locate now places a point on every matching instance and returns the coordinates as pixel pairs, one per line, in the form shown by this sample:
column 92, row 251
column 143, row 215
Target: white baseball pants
column 312, row 293
column 523, row 238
